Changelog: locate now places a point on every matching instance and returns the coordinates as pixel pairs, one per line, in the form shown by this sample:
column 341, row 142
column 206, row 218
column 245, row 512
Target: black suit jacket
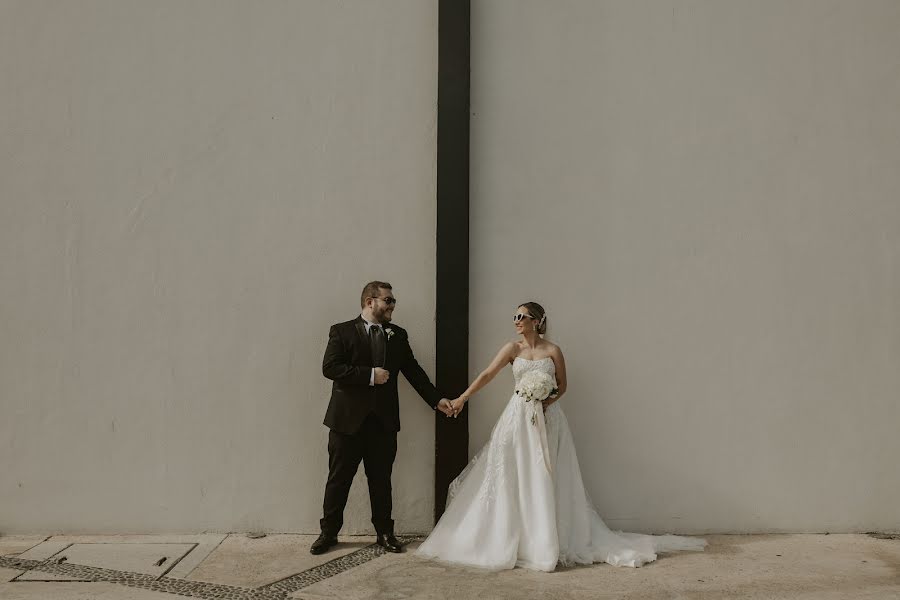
column 348, row 363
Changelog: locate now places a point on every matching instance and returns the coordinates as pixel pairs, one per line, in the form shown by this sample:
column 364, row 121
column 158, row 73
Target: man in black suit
column 363, row 358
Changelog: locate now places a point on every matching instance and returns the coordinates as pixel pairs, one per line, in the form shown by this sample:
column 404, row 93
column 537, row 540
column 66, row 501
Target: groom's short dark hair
column 371, row 291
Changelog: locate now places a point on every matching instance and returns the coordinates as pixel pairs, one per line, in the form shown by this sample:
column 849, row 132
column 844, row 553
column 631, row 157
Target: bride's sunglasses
column 519, row 316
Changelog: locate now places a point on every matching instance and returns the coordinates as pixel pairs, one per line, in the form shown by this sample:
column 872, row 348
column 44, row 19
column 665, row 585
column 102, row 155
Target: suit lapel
column 363, row 339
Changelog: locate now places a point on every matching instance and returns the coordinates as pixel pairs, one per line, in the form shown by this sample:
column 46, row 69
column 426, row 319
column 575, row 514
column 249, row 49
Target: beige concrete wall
column 705, row 197
column 190, row 194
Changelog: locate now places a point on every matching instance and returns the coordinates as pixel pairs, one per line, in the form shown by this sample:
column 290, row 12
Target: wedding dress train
column 521, row 500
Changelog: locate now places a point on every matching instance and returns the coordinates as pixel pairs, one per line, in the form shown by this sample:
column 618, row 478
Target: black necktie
column 376, row 343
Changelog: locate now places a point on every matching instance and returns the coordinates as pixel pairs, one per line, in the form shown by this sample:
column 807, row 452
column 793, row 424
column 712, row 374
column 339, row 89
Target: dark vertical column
column 452, row 321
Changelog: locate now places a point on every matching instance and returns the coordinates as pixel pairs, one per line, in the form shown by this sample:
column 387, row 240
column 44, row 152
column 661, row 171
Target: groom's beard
column 382, row 315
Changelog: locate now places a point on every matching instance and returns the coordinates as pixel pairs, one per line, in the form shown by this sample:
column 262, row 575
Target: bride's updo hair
column 540, row 315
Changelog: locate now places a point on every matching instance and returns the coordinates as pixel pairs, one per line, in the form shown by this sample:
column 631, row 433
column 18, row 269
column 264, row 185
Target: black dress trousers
column 376, row 447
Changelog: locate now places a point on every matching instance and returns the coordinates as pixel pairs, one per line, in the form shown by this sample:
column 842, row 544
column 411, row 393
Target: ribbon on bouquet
column 540, row 423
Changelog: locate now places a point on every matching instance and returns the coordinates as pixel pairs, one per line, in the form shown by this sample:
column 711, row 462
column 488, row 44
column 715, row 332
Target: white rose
column 535, row 385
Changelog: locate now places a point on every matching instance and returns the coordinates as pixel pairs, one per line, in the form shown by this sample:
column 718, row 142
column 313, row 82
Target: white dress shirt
column 369, row 325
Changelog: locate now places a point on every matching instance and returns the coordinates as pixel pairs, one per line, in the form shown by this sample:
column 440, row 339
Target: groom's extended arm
column 336, row 363
column 417, row 376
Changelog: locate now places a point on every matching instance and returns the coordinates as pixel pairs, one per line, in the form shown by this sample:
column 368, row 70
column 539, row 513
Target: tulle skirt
column 521, row 502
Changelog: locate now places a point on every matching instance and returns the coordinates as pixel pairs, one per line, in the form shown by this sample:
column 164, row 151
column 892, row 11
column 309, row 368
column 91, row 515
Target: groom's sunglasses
column 519, row 316
column 389, row 300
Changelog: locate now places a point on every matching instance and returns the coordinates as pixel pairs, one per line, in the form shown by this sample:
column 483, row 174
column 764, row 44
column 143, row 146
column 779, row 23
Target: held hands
column 456, row 406
column 444, row 407
column 451, row 408
column 381, row 376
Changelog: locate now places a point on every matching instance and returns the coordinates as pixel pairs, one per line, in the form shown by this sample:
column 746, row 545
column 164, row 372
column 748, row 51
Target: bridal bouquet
column 535, row 387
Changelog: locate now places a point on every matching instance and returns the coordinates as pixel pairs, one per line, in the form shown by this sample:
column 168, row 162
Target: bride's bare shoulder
column 553, row 349
column 510, row 350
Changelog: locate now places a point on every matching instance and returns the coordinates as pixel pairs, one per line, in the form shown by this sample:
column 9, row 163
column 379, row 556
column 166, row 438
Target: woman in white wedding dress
column 521, row 501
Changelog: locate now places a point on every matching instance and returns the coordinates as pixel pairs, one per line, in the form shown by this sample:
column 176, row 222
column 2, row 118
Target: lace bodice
column 521, row 366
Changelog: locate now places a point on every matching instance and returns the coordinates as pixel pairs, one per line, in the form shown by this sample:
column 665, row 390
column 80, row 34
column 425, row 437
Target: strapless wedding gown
column 521, row 501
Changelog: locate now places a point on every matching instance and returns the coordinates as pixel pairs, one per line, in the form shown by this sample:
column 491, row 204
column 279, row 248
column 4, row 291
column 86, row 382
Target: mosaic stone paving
column 277, row 590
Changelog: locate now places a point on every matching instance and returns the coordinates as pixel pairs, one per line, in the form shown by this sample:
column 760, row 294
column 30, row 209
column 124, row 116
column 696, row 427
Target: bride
column 521, row 501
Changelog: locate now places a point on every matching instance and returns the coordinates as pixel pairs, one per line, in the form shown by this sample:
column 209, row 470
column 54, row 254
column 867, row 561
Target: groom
column 363, row 358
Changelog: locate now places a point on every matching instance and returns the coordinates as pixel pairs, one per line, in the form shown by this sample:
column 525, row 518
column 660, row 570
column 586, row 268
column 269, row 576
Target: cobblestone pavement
column 733, row 567
column 198, row 589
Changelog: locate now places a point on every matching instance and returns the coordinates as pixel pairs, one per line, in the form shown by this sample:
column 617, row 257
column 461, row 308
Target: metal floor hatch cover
column 147, row 558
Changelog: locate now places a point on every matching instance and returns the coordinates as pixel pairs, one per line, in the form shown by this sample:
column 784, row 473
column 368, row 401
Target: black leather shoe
column 388, row 542
column 323, row 544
